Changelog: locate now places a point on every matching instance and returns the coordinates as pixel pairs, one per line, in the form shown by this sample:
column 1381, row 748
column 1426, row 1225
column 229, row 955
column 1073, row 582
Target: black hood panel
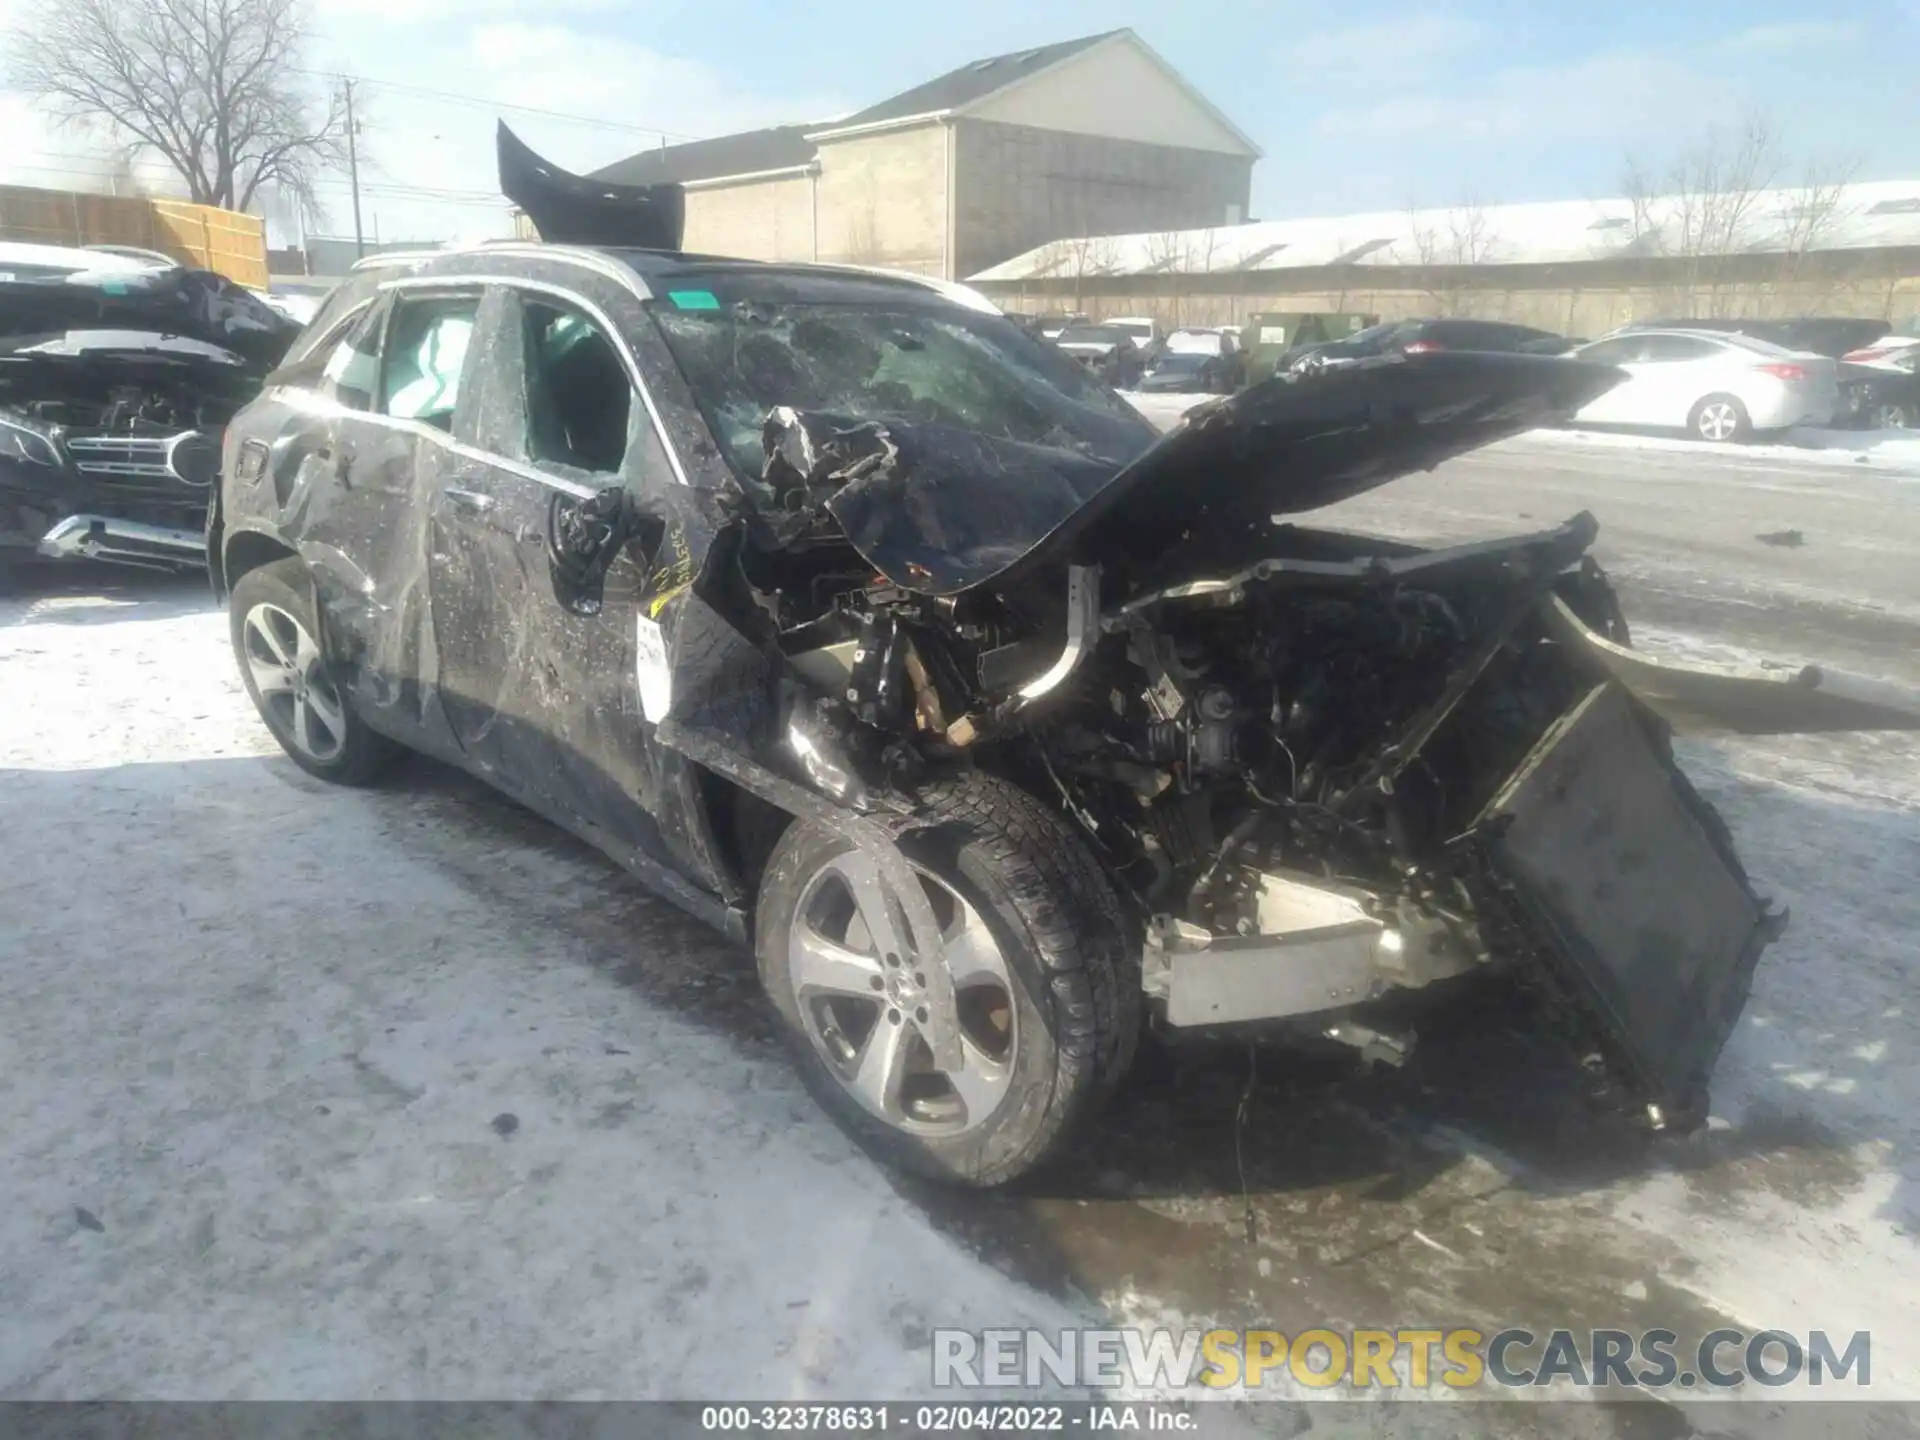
column 570, row 209
column 1299, row 442
column 197, row 304
column 941, row 512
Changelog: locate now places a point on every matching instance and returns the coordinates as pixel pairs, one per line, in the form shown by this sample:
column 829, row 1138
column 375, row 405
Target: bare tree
column 1448, row 247
column 1810, row 214
column 213, row 87
column 1704, row 208
column 1165, row 250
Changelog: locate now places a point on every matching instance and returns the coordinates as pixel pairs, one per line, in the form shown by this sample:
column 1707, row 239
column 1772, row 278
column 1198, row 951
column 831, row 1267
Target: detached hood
column 570, row 209
column 933, row 516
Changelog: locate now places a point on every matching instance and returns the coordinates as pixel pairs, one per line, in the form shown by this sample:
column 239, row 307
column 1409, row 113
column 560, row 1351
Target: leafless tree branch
column 212, row 87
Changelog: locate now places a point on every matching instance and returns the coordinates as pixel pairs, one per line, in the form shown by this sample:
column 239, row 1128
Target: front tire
column 1046, row 982
column 275, row 641
column 1720, row 420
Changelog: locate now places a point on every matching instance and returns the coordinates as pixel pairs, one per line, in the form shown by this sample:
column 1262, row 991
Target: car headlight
column 19, row 443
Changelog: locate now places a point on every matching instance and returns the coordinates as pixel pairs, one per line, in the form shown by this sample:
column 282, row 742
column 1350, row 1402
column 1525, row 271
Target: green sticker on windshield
column 694, row 299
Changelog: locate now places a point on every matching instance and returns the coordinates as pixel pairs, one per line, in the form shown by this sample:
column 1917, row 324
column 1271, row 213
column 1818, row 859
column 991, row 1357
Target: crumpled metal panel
column 572, row 209
column 941, row 510
column 1784, row 701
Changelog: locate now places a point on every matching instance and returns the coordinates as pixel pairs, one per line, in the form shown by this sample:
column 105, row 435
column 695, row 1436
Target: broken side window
column 426, row 354
column 349, row 367
column 579, row 396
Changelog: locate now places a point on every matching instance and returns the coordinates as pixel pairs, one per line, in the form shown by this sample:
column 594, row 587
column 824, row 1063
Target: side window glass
column 1609, row 352
column 349, row 368
column 426, row 354
column 578, row 395
column 1671, row 348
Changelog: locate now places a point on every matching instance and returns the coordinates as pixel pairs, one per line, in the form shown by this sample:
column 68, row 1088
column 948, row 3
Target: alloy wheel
column 1718, row 420
column 290, row 676
column 862, row 999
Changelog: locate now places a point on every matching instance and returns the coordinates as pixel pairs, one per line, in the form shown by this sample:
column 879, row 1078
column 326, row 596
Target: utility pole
column 353, row 171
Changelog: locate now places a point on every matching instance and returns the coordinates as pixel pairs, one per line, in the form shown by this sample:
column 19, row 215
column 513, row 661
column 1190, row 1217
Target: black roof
column 775, row 148
column 973, row 81
column 782, row 146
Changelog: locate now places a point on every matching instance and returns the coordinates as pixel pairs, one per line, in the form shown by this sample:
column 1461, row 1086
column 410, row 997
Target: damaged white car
column 860, row 622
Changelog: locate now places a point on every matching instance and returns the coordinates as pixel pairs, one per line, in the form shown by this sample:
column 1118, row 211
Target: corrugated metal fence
column 202, row 235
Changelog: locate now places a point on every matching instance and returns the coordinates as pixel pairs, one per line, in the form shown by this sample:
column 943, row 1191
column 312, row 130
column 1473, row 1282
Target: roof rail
column 390, row 257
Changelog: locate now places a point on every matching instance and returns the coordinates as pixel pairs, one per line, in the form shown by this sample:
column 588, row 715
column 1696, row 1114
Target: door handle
column 474, row 502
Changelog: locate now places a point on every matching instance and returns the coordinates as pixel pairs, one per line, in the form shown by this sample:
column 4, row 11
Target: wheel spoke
column 264, row 627
column 269, row 677
column 880, row 1067
column 971, row 954
column 324, row 707
column 820, row 964
column 981, row 1082
column 306, row 654
column 876, row 905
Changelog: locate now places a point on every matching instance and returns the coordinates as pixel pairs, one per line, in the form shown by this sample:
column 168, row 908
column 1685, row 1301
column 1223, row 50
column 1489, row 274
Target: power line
column 454, row 97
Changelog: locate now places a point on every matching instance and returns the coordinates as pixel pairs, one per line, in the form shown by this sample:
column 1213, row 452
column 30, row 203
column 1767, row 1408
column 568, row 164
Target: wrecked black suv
column 858, row 621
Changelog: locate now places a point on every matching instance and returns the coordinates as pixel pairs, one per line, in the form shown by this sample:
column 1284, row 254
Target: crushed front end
column 1319, row 767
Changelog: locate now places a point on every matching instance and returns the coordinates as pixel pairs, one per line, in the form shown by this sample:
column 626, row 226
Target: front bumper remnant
column 100, row 537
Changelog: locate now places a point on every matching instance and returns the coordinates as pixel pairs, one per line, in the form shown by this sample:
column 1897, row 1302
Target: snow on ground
column 307, row 1093
column 1894, row 450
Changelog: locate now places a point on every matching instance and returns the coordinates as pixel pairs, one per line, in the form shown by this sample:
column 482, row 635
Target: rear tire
column 1050, row 1022
column 303, row 702
column 1720, row 420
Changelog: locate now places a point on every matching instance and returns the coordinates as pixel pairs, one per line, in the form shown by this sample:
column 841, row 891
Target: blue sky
column 1357, row 105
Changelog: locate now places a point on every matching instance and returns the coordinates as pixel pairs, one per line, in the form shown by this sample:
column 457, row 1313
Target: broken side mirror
column 584, row 536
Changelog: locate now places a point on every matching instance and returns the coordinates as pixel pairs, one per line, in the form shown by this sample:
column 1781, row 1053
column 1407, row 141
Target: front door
column 543, row 547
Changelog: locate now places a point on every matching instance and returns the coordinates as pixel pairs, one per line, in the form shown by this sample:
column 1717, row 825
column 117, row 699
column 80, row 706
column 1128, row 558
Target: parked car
column 1718, row 386
column 156, row 258
column 1107, row 350
column 1425, row 337
column 864, row 626
column 1889, row 352
column 1875, row 397
column 20, row 260
column 1202, row 340
column 1189, row 372
column 116, row 378
column 1051, row 327
column 1271, row 338
column 1144, row 331
column 1831, row 336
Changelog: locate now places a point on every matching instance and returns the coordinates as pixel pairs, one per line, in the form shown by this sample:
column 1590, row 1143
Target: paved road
column 1679, row 531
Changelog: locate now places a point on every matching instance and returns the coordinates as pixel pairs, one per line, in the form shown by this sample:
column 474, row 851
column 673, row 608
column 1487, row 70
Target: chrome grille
column 189, row 457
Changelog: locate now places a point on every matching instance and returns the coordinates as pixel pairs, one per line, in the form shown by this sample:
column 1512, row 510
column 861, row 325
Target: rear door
column 1675, row 371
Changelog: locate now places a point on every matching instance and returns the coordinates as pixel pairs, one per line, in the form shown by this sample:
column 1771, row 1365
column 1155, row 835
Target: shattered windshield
column 891, row 358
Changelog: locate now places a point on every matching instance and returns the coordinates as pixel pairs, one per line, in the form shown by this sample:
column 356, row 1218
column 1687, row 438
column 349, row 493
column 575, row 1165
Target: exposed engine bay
column 1304, row 764
column 114, row 390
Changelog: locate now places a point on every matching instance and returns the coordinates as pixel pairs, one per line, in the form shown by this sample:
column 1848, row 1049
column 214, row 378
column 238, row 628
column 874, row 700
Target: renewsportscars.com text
column 1459, row 1359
